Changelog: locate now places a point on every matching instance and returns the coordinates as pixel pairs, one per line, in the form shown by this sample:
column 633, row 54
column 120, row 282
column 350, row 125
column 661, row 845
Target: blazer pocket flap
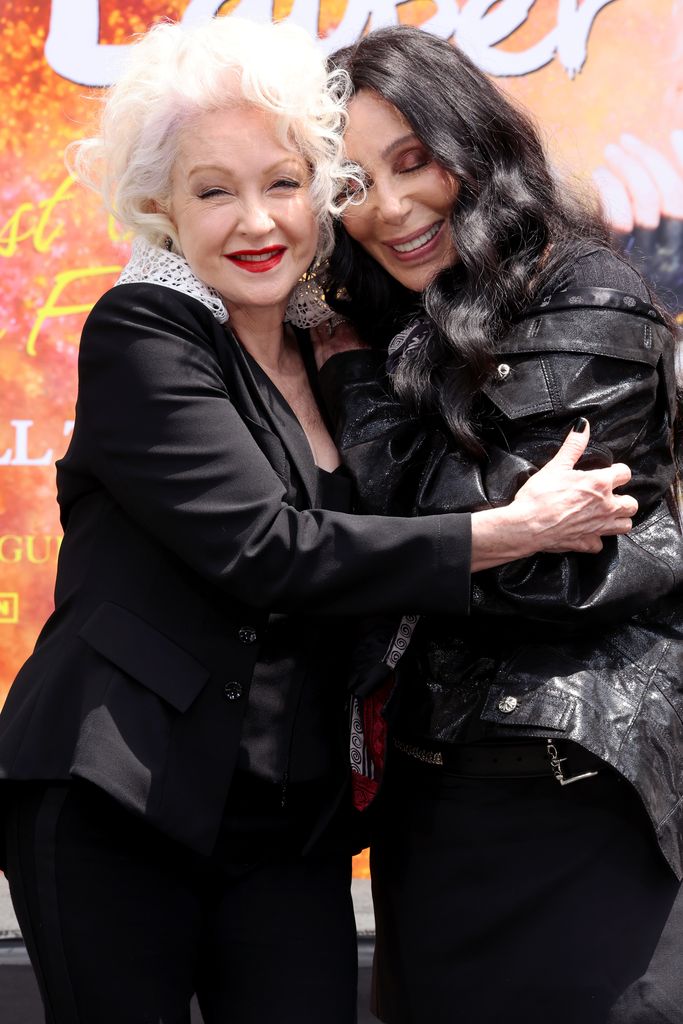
column 145, row 654
column 535, row 709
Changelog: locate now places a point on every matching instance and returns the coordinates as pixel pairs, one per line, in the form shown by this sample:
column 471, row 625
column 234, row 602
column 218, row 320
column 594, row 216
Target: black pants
column 517, row 901
column 123, row 925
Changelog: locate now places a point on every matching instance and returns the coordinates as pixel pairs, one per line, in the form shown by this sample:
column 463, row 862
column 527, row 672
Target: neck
column 261, row 332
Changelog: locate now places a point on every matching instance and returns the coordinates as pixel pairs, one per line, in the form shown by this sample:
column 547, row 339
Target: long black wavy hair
column 515, row 227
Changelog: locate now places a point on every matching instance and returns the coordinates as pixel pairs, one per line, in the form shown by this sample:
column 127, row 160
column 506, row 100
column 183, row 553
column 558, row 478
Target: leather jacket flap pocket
column 142, row 652
column 541, row 709
column 519, row 387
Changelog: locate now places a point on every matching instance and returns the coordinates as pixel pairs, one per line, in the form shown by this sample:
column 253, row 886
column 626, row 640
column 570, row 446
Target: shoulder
column 602, row 267
column 144, row 304
column 148, row 317
column 150, row 332
column 601, row 308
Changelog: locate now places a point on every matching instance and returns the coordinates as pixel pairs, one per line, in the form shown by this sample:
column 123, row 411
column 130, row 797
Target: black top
column 287, row 791
column 291, row 759
column 292, row 726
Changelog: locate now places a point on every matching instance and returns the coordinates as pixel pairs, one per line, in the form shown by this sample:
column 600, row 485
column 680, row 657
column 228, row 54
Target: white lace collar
column 149, row 264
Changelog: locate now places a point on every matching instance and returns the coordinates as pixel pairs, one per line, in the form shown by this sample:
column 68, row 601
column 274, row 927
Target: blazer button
column 247, row 635
column 232, row 690
column 507, row 705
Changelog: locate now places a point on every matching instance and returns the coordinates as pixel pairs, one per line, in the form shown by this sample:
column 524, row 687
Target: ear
column 162, row 208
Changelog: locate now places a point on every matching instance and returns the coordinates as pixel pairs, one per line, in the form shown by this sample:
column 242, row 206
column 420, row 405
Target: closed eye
column 414, row 167
column 411, row 158
column 287, row 183
column 213, row 193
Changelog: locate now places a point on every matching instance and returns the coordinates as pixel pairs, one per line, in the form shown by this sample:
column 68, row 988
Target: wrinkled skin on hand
column 328, row 342
column 573, row 509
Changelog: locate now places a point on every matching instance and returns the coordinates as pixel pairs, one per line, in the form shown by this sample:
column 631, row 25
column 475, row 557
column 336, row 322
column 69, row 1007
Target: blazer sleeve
column 165, row 440
column 405, row 464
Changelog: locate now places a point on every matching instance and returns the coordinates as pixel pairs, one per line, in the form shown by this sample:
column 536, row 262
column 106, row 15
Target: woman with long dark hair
column 528, row 842
column 173, row 778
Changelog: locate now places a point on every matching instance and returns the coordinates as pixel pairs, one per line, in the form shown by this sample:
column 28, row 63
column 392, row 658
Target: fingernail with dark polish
column 580, row 425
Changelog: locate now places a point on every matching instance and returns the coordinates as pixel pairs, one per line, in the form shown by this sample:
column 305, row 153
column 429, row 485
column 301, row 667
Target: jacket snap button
column 507, row 704
column 232, row 690
column 503, row 371
column 247, row 635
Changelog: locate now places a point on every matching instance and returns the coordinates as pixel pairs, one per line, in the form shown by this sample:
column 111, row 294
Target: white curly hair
column 175, row 73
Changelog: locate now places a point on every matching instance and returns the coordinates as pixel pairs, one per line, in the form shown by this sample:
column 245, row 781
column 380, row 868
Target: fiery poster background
column 590, row 71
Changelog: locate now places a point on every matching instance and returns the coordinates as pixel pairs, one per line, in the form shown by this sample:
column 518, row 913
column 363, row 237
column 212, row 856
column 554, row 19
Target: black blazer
column 188, row 516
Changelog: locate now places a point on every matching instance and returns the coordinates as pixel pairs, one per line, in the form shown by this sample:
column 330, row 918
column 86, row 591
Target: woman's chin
column 416, row 276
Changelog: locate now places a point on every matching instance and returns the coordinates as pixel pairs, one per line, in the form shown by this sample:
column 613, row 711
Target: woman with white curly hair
column 176, row 814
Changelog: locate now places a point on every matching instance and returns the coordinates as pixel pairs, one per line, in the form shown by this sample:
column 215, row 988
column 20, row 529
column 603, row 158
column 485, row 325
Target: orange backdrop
column 58, row 252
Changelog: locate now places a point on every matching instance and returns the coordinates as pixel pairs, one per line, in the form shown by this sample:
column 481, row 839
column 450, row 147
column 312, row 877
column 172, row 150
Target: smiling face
column 404, row 220
column 241, row 207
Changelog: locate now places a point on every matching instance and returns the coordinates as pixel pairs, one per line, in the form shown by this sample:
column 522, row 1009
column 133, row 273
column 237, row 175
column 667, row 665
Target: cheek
column 358, row 226
column 312, row 236
column 203, row 240
column 192, row 228
column 304, row 229
column 303, row 247
column 444, row 190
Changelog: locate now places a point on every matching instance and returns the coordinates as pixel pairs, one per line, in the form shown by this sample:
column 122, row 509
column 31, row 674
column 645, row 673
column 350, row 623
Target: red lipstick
column 257, row 261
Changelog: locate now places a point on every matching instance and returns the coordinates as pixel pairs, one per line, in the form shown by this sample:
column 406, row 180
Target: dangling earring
column 307, row 307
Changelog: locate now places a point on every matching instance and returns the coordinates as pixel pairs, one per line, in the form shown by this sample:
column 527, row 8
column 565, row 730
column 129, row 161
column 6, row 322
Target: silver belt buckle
column 556, row 766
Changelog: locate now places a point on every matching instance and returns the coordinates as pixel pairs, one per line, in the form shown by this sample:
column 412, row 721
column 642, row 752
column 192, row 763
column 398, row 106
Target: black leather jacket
column 589, row 646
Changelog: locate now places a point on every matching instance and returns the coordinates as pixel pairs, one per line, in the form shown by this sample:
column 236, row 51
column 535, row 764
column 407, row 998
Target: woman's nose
column 256, row 218
column 392, row 204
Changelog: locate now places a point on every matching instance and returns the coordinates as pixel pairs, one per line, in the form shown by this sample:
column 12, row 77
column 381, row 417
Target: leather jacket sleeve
column 610, row 367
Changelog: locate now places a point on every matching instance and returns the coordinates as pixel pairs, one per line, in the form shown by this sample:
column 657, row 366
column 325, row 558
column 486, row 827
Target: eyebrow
column 224, row 169
column 397, row 143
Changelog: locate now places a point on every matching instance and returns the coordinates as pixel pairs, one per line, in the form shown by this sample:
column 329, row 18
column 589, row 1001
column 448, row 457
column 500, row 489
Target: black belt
column 566, row 761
